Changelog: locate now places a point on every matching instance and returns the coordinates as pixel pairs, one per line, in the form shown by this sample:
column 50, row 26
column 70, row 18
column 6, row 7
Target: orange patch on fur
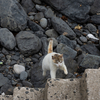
column 50, row 47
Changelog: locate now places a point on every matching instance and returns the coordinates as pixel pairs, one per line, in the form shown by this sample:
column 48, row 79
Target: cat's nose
column 60, row 64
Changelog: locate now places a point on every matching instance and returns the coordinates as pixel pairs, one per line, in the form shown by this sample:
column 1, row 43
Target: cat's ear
column 61, row 55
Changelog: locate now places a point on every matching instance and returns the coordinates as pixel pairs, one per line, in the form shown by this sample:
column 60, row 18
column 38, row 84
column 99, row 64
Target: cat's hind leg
column 44, row 72
column 53, row 74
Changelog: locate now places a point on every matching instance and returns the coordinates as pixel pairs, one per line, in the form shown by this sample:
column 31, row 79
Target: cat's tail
column 50, row 47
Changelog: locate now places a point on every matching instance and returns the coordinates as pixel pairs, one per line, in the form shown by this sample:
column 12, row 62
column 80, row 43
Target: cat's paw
column 66, row 72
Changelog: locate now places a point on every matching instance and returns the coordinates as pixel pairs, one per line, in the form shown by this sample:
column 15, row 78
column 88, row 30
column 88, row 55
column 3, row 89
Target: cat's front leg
column 53, row 74
column 65, row 69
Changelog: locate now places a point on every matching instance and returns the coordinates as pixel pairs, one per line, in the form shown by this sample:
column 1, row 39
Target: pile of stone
column 26, row 26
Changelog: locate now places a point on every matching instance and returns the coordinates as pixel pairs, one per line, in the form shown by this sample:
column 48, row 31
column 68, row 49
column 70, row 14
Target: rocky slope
column 25, row 29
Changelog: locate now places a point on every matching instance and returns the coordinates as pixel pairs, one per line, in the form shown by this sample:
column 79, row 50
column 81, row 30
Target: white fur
column 48, row 64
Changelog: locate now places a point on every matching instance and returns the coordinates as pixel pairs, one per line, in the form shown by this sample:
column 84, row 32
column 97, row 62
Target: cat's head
column 57, row 59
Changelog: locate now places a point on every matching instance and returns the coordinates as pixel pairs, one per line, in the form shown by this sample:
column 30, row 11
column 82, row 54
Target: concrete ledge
column 63, row 89
column 24, row 93
column 91, row 81
column 85, row 88
column 6, row 97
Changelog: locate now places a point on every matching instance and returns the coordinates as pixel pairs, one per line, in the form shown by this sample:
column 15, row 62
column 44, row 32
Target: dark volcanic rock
column 14, row 57
column 28, row 5
column 40, row 34
column 41, row 8
column 4, row 80
column 91, row 49
column 78, row 32
column 75, row 10
column 65, row 50
column 37, row 78
column 60, row 26
column 70, row 64
column 37, row 1
column 95, row 19
column 27, row 84
column 44, row 45
column 28, row 43
column 95, row 8
column 4, row 51
column 51, row 33
column 7, row 39
column 90, row 61
column 12, row 15
column 79, row 42
column 91, row 28
column 7, row 89
column 39, row 16
column 23, row 75
column 68, row 42
column 49, row 13
column 83, row 39
column 1, row 56
column 13, row 62
column 34, row 27
column 70, row 75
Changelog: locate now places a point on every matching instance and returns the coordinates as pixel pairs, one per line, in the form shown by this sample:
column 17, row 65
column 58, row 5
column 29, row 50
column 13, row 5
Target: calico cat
column 53, row 61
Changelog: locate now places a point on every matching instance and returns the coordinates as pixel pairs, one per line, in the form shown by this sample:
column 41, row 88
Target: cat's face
column 58, row 59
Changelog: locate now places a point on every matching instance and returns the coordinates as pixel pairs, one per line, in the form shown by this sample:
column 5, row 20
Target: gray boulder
column 7, row 39
column 83, row 39
column 12, row 15
column 39, row 16
column 7, row 89
column 40, row 34
column 60, row 26
column 44, row 45
column 55, row 42
column 43, row 22
column 49, row 13
column 90, row 61
column 91, row 49
column 68, row 42
column 37, row 79
column 65, row 50
column 3, row 79
column 34, row 27
column 28, row 43
column 95, row 8
column 37, row 1
column 28, row 5
column 51, row 33
column 23, row 75
column 95, row 19
column 40, row 8
column 27, row 84
column 76, row 10
column 70, row 64
column 91, row 27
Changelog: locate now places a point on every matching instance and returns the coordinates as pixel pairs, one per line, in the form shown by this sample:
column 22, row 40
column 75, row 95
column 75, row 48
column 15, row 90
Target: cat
column 53, row 61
